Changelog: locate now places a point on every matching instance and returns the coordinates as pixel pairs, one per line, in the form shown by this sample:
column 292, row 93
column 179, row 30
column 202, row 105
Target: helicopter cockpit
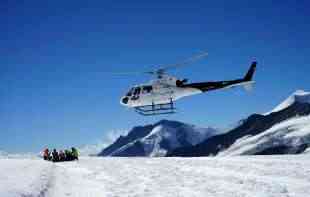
column 134, row 93
column 130, row 92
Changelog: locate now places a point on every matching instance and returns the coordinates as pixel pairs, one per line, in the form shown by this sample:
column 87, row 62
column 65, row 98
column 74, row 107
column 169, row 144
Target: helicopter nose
column 125, row 100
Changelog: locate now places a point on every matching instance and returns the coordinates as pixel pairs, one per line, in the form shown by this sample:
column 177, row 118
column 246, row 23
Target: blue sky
column 55, row 86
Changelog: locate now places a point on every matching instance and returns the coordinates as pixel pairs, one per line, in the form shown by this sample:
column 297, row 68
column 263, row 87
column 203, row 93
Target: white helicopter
column 158, row 96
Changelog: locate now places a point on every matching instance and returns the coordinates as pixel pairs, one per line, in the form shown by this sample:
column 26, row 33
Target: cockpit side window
column 137, row 91
column 147, row 89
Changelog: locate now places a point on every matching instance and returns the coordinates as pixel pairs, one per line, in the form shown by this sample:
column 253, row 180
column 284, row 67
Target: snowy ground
column 260, row 176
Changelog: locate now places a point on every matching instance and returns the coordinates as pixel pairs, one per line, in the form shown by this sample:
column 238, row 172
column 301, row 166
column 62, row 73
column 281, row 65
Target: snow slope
column 291, row 133
column 285, row 176
column 298, row 96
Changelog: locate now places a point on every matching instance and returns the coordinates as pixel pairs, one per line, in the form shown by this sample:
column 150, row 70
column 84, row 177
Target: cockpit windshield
column 130, row 92
column 139, row 90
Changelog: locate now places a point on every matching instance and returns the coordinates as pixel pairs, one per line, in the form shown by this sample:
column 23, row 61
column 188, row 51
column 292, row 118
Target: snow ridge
column 291, row 133
column 298, row 96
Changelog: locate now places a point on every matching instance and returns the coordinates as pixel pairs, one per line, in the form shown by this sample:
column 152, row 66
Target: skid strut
column 156, row 109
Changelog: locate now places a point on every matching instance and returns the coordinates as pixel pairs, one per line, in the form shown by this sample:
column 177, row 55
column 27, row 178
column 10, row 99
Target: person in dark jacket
column 62, row 156
column 68, row 155
column 55, row 156
column 75, row 153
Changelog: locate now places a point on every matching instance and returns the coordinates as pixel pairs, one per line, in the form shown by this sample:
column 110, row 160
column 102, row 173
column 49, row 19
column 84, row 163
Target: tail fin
column 251, row 71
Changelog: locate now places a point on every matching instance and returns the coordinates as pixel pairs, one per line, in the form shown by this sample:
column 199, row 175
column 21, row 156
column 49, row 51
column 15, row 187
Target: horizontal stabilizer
column 248, row 86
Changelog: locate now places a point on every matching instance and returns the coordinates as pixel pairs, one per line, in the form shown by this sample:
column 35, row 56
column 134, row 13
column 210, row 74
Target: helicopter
column 158, row 96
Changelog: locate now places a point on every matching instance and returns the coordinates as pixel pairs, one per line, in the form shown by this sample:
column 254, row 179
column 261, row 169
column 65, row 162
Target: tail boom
column 208, row 86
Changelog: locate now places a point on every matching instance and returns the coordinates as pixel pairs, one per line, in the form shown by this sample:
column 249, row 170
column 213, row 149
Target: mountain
column 133, row 135
column 296, row 105
column 288, row 137
column 299, row 96
column 158, row 139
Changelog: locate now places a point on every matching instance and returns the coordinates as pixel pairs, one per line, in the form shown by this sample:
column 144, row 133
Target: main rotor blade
column 162, row 69
column 133, row 73
column 183, row 63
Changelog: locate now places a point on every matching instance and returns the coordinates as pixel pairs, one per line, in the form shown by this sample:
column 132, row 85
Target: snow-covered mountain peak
column 300, row 92
column 158, row 139
column 170, row 123
column 167, row 135
column 300, row 96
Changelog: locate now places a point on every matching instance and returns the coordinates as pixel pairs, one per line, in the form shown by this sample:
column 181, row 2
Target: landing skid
column 156, row 109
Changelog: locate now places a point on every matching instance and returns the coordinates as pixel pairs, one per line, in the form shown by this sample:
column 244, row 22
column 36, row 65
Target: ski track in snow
column 25, row 177
column 261, row 176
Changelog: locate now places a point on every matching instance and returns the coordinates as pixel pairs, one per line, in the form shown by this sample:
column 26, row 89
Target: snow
column 298, row 96
column 272, row 176
column 292, row 132
column 24, row 177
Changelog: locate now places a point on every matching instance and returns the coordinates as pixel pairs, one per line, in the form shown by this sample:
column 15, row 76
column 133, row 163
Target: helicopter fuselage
column 161, row 91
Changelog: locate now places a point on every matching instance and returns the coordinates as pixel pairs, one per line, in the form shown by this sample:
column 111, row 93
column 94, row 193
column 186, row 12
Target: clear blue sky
column 55, row 88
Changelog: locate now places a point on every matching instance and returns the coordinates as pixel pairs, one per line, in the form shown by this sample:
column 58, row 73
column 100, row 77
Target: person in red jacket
column 46, row 154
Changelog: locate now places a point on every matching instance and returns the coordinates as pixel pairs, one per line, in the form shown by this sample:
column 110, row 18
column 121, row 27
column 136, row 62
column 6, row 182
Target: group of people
column 66, row 155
